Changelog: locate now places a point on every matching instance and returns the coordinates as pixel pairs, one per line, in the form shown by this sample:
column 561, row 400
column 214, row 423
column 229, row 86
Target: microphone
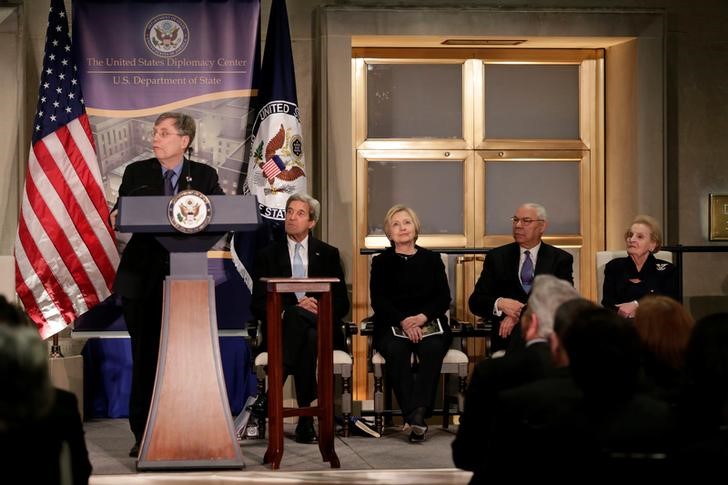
column 131, row 192
column 188, row 178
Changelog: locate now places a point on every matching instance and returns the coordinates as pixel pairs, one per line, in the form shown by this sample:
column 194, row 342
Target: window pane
column 414, row 101
column 555, row 185
column 433, row 189
column 532, row 101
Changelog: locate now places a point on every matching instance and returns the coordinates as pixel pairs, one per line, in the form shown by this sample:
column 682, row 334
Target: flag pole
column 56, row 348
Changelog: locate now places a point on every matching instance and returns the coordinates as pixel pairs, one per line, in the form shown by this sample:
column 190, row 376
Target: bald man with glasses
column 505, row 283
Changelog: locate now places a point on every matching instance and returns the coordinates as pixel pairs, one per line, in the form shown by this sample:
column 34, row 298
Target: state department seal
column 166, row 35
column 189, row 211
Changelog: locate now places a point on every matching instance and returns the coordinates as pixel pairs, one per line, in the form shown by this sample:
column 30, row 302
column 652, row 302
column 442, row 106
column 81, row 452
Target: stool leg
column 445, row 402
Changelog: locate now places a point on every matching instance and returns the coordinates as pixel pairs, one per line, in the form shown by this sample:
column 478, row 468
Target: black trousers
column 298, row 328
column 143, row 318
column 414, row 385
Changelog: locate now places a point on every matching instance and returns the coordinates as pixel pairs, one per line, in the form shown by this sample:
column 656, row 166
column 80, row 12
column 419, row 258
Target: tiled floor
column 390, row 459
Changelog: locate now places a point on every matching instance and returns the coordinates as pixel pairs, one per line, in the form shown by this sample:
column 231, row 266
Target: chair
column 343, row 363
column 454, row 363
column 603, row 257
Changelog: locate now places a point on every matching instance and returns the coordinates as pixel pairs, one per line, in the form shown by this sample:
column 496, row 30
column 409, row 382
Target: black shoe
column 305, row 433
column 418, row 434
column 134, row 452
column 259, row 408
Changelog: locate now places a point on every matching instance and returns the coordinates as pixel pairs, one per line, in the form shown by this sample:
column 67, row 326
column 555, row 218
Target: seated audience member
column 409, row 291
column 664, row 327
column 703, row 404
column 516, row 368
column 508, row 272
column 41, row 433
column 628, row 279
column 301, row 255
column 598, row 419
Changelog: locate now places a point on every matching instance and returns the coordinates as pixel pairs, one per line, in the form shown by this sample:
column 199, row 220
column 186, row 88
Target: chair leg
column 445, row 402
column 260, row 374
column 378, row 399
column 346, row 399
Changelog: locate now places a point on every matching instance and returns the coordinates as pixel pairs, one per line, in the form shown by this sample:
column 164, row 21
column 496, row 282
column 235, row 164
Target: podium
column 189, row 424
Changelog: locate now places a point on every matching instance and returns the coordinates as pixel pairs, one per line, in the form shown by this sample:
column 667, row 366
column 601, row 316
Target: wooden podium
column 189, row 424
column 325, row 409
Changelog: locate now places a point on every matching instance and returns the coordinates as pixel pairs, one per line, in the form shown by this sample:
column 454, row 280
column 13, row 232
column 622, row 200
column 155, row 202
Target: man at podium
column 145, row 263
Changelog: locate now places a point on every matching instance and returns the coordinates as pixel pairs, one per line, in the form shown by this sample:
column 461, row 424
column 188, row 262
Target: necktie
column 297, row 269
column 168, row 187
column 527, row 272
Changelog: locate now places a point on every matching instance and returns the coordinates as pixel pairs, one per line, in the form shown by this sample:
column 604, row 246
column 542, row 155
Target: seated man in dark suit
column 301, row 255
column 598, row 417
column 514, row 369
column 145, row 262
column 507, row 277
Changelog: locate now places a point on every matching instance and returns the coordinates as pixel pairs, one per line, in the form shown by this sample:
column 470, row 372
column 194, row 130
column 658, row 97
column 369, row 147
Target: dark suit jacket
column 490, row 377
column 499, row 278
column 145, row 263
column 323, row 261
column 656, row 277
column 32, row 450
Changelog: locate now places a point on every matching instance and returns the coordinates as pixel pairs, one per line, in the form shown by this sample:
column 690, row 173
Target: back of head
column 664, row 327
column 568, row 312
column 547, row 294
column 604, row 355
column 24, row 379
column 12, row 315
column 706, row 357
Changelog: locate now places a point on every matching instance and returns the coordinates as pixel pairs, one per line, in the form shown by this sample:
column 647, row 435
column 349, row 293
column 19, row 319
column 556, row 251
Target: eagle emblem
column 271, row 162
column 661, row 266
column 188, row 211
column 166, row 37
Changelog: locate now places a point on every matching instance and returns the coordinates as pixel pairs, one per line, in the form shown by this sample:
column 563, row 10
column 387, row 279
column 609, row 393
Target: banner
column 139, row 59
column 65, row 254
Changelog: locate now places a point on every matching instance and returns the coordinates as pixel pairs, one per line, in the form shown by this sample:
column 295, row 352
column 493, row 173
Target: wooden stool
column 325, row 409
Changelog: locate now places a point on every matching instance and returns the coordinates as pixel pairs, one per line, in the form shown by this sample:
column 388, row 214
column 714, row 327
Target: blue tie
column 168, row 187
column 527, row 272
column 297, row 269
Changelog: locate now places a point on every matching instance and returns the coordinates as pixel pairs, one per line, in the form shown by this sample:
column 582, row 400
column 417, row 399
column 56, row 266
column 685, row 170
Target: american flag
column 273, row 167
column 65, row 254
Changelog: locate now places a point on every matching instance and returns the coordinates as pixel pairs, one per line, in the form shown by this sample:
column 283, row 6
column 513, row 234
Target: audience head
column 529, row 224
column 566, row 314
column 401, row 225
column 302, row 214
column 706, row 357
column 547, row 294
column 664, row 327
column 24, row 378
column 604, row 355
column 644, row 235
column 12, row 314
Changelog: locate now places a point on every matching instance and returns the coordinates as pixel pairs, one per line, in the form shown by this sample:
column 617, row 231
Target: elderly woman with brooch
column 626, row 280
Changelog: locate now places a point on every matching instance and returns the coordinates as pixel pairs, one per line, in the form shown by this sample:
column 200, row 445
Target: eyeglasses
column 164, row 133
column 524, row 220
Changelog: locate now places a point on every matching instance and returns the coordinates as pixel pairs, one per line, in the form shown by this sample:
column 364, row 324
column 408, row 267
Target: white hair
column 547, row 295
column 540, row 210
